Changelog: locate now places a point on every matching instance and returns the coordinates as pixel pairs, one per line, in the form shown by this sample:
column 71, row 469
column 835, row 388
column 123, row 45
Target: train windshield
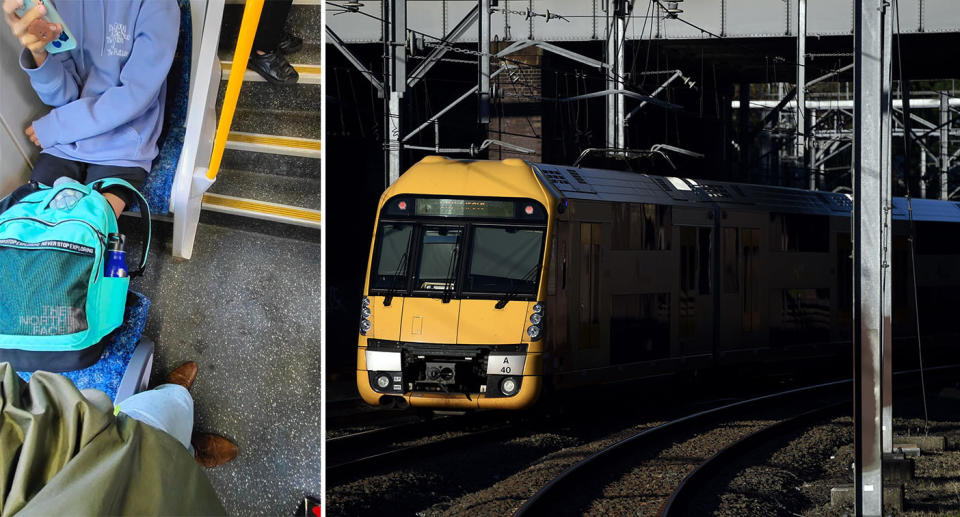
column 439, row 249
column 504, row 259
column 393, row 256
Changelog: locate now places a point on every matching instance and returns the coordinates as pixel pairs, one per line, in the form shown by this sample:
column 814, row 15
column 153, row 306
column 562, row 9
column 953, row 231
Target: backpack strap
column 105, row 183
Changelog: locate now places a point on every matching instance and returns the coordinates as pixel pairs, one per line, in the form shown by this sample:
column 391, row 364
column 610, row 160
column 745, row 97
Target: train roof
column 630, row 187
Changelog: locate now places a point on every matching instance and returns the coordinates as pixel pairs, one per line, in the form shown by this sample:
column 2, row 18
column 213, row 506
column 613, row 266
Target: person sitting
column 107, row 94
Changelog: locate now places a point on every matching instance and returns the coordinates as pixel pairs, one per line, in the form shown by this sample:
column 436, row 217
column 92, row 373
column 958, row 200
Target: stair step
column 309, row 74
column 264, row 210
column 278, row 122
column 285, row 190
column 285, row 145
column 274, row 164
column 265, row 96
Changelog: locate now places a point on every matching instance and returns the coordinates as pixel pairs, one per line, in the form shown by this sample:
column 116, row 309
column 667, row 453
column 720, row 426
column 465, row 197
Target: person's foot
column 211, row 450
column 273, row 67
column 184, row 375
column 290, row 44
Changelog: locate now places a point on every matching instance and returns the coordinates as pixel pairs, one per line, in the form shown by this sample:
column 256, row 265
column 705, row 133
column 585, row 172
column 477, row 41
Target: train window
column 803, row 316
column 439, row 249
column 504, row 260
column 641, row 226
column 394, row 241
column 934, row 238
column 639, row 327
column 799, row 232
column 731, row 278
column 704, row 244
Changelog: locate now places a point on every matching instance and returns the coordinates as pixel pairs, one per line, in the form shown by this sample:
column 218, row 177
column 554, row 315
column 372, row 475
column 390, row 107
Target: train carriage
column 489, row 280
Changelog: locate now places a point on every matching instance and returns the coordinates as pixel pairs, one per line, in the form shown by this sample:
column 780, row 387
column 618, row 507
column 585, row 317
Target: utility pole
column 944, row 144
column 395, row 82
column 868, row 216
column 802, row 126
column 483, row 43
column 616, row 43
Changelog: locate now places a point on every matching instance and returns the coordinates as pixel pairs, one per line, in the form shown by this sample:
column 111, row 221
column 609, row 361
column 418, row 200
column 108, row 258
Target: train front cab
column 453, row 312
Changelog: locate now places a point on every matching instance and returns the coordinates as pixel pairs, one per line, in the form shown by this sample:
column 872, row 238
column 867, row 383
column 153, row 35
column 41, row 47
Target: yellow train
column 488, row 280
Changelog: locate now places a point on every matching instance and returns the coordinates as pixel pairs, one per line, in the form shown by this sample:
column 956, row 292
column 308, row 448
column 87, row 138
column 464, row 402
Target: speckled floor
column 247, row 308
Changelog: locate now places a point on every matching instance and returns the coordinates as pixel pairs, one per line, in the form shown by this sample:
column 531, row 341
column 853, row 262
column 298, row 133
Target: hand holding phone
column 48, row 29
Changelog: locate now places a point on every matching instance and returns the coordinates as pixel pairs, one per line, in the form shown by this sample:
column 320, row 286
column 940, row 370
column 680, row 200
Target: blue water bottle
column 116, row 266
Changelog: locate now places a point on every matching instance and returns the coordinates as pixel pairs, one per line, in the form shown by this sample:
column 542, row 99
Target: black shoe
column 290, row 44
column 273, row 67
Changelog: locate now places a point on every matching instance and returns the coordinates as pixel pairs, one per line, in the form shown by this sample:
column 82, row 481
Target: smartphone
column 62, row 43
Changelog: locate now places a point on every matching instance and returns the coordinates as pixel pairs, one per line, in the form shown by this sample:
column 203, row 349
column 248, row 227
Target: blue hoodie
column 108, row 93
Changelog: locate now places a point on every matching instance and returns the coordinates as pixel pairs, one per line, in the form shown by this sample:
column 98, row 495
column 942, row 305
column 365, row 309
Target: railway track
column 555, row 496
column 388, row 447
column 681, row 501
column 695, row 455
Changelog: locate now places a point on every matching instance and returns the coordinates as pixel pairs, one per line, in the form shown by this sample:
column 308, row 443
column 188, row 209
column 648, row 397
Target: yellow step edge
column 280, row 141
column 303, row 214
column 301, row 69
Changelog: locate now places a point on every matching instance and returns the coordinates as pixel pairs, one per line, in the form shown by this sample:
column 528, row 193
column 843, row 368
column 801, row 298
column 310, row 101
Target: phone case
column 65, row 41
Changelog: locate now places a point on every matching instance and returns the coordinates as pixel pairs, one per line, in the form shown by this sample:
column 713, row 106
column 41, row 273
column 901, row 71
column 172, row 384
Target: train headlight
column 508, row 387
column 365, row 325
column 536, row 318
column 538, row 308
column 365, row 302
column 383, row 380
column 533, row 331
column 365, row 312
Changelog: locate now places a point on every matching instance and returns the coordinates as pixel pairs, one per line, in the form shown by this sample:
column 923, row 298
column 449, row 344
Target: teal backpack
column 56, row 305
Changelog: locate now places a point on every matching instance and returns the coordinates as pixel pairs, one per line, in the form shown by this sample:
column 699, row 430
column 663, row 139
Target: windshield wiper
column 393, row 283
column 502, row 302
column 448, row 287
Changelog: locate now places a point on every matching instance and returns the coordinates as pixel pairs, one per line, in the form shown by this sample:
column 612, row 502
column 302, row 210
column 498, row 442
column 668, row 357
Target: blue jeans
column 168, row 407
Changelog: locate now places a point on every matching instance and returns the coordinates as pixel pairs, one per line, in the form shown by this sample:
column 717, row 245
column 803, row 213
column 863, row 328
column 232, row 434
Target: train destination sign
column 447, row 207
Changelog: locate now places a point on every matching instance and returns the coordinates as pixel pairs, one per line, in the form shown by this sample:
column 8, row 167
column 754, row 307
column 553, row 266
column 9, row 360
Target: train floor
column 247, row 309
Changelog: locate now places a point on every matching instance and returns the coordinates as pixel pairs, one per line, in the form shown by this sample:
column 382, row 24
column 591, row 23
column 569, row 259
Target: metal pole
column 395, row 78
column 944, row 144
column 811, row 157
column 483, row 45
column 923, row 173
column 801, row 151
column 615, row 60
column 744, row 120
column 867, row 216
column 886, row 203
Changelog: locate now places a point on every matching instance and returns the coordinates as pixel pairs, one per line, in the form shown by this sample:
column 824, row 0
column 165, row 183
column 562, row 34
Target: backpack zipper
column 97, row 232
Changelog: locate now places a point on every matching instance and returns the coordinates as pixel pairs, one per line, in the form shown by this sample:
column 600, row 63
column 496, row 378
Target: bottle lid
column 115, row 242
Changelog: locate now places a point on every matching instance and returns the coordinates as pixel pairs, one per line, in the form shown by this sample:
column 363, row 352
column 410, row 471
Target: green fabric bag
column 55, row 302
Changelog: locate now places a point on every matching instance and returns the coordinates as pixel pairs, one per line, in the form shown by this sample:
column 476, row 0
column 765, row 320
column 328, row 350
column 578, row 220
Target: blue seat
column 159, row 182
column 124, row 367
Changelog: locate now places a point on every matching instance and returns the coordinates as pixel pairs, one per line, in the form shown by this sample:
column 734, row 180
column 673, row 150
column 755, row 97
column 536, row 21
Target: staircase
column 271, row 167
column 246, row 306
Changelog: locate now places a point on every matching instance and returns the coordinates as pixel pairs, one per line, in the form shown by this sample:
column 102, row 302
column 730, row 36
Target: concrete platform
column 925, row 443
column 247, row 308
column 843, row 496
column 897, row 468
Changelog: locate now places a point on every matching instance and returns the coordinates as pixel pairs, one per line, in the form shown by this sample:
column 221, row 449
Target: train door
column 591, row 256
column 695, row 311
column 750, row 323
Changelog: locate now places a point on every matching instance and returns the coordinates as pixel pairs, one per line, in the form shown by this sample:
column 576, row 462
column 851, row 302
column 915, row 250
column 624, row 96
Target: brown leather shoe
column 184, row 375
column 211, row 450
